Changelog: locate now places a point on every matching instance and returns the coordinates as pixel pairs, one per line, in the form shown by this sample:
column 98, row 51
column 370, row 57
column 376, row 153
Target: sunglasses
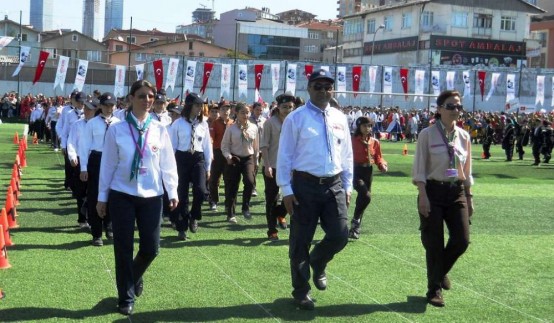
column 451, row 106
column 144, row 96
column 319, row 87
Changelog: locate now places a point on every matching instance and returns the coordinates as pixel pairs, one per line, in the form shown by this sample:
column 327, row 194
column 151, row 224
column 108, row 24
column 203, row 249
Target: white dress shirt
column 303, row 146
column 60, row 124
column 180, row 134
column 74, row 138
column 70, row 117
column 53, row 114
column 93, row 138
column 36, row 115
column 164, row 118
column 117, row 159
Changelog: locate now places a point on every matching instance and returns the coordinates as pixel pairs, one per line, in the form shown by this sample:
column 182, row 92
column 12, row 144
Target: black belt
column 316, row 179
column 445, row 183
column 95, row 152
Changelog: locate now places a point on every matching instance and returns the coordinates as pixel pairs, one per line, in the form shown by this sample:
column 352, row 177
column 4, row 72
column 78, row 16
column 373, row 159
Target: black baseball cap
column 107, row 98
column 321, row 75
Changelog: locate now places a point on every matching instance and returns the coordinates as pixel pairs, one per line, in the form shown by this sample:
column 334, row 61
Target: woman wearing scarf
column 131, row 177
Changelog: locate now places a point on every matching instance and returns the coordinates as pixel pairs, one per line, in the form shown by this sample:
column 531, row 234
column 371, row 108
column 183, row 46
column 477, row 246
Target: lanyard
column 139, row 149
column 449, row 145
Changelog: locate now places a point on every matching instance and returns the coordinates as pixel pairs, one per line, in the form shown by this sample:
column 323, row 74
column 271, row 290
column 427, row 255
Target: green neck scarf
column 140, row 144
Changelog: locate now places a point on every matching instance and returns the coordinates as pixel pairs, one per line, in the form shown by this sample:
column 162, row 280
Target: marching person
column 443, row 175
column 314, row 172
column 488, row 137
column 367, row 152
column 52, row 120
column 159, row 109
column 90, row 153
column 190, row 138
column 258, row 119
column 70, row 113
column 275, row 212
column 508, row 141
column 137, row 158
column 240, row 147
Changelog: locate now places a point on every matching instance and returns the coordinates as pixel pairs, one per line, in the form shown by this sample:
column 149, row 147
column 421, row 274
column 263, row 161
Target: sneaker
column 272, row 237
column 97, row 242
column 231, row 219
column 213, row 206
column 182, row 235
column 83, row 225
column 254, row 193
column 247, row 214
column 282, row 222
column 56, row 149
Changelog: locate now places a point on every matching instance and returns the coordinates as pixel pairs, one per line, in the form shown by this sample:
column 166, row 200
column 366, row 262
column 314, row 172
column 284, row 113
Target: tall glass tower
column 114, row 15
column 92, row 22
column 42, row 12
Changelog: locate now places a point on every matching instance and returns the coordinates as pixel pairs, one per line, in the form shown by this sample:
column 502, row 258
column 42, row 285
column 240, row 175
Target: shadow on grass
column 173, row 242
column 20, row 314
column 74, row 245
column 397, row 174
column 65, row 229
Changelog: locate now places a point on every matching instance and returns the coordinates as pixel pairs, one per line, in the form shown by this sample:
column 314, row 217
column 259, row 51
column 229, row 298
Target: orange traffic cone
column 23, row 142
column 35, row 139
column 10, row 210
column 15, row 191
column 16, row 138
column 4, row 264
column 22, row 158
column 16, row 173
column 6, row 231
column 405, row 150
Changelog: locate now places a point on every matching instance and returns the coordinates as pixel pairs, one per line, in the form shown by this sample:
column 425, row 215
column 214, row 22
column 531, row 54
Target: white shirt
column 36, row 115
column 180, row 134
column 60, row 124
column 93, row 138
column 163, row 117
column 53, row 114
column 120, row 113
column 73, row 140
column 117, row 159
column 69, row 118
column 303, row 146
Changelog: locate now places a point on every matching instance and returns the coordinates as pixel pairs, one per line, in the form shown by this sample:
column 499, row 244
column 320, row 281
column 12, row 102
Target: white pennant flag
column 119, row 84
column 291, row 78
column 510, row 87
column 243, row 80
column 436, row 82
column 275, row 75
column 341, row 80
column 189, row 77
column 387, row 80
column 467, row 84
column 552, row 104
column 418, row 88
column 225, row 79
column 23, row 58
column 81, row 75
column 540, row 90
column 450, row 75
column 4, row 41
column 61, row 72
column 494, row 80
column 140, row 71
column 325, row 68
column 172, row 69
column 372, row 77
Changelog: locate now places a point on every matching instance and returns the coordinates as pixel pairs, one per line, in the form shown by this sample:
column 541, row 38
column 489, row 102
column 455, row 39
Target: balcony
column 482, row 32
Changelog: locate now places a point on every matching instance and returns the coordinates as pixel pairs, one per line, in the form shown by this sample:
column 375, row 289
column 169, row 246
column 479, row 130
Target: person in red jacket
column 367, row 152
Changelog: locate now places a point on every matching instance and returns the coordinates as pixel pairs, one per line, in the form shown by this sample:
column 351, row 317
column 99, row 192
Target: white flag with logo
column 189, row 76
column 494, row 80
column 418, row 88
column 450, row 75
column 225, row 79
column 140, row 71
column 436, row 82
column 172, row 69
column 119, row 84
column 275, row 77
column 387, row 80
column 61, row 72
column 510, row 87
column 243, row 80
column 23, row 58
column 341, row 80
column 291, row 78
column 81, row 75
column 372, row 77
column 540, row 90
column 467, row 84
column 4, row 41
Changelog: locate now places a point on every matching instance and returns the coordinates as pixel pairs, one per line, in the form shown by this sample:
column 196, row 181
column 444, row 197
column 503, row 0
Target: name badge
column 451, row 172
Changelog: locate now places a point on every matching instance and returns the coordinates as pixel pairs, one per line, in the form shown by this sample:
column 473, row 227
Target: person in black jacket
column 487, row 139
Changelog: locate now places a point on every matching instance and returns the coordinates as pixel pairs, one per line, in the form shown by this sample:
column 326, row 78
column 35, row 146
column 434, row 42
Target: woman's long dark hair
column 186, row 113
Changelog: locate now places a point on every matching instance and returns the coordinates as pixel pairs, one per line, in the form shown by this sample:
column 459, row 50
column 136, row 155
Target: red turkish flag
column 207, row 72
column 481, row 75
column 42, row 58
column 158, row 73
column 404, row 80
column 258, row 71
column 356, row 77
column 308, row 70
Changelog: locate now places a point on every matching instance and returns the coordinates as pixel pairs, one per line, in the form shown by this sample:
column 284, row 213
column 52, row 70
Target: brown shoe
column 446, row 284
column 435, row 298
column 272, row 236
column 282, row 222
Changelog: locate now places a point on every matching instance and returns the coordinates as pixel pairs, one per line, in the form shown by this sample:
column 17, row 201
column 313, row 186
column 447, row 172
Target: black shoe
column 139, row 288
column 305, row 303
column 193, row 225
column 182, row 235
column 354, row 232
column 535, row 164
column 125, row 309
column 435, row 298
column 109, row 235
column 97, row 242
column 319, row 278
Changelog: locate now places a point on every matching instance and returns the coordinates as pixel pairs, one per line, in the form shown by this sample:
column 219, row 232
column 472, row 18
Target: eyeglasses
column 319, row 87
column 144, row 96
column 451, row 106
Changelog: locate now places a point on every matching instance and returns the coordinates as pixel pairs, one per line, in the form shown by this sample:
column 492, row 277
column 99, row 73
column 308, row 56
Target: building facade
column 321, row 35
column 92, row 22
column 29, row 37
column 41, row 14
column 295, row 17
column 113, row 15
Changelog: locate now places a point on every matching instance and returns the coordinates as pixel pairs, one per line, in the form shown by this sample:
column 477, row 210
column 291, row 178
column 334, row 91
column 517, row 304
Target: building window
column 313, row 35
column 131, row 40
column 24, row 37
column 406, row 20
column 371, row 26
column 190, row 46
column 310, row 49
column 482, row 24
column 459, row 19
column 388, row 23
column 118, row 48
column 427, row 19
column 330, row 35
column 201, row 54
column 140, row 57
column 53, row 52
column 94, row 55
column 508, row 23
column 74, row 38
